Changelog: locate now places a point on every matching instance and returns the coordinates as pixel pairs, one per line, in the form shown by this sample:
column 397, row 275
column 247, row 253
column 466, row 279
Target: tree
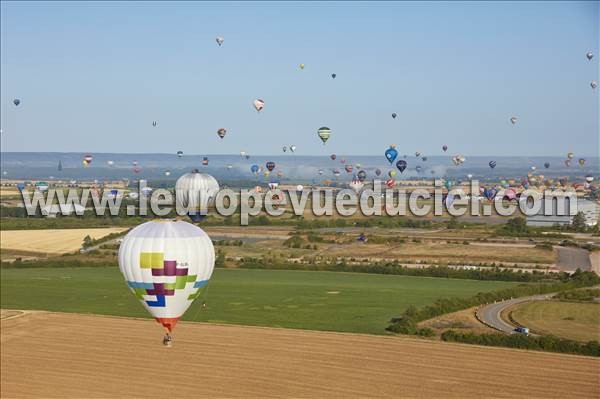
column 578, row 223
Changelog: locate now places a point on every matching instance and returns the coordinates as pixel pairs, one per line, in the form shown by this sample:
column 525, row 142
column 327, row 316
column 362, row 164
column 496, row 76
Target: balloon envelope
column 166, row 265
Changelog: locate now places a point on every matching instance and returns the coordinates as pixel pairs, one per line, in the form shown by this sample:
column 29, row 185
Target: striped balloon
column 324, row 134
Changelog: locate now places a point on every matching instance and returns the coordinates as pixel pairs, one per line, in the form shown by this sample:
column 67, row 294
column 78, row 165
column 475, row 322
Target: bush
column 520, row 341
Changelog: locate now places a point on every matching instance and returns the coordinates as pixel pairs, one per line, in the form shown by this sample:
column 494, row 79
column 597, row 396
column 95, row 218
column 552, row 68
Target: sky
column 92, row 77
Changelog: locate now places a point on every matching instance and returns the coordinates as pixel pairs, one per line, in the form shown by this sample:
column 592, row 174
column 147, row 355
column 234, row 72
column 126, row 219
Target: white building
column 564, row 216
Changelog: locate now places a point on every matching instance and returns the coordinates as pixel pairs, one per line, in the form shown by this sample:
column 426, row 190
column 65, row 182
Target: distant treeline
column 496, row 274
column 521, row 341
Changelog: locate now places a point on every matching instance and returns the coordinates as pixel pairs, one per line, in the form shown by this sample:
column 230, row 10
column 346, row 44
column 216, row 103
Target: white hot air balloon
column 299, row 187
column 167, row 265
column 356, row 185
column 195, row 192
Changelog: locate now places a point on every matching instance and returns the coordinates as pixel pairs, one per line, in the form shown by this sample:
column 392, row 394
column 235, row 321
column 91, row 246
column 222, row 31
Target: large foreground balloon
column 324, row 134
column 167, row 265
column 391, row 154
column 195, row 192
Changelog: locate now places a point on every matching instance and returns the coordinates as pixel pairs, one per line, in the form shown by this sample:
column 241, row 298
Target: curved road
column 490, row 314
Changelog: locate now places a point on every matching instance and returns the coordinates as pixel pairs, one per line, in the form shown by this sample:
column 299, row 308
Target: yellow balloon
column 301, row 66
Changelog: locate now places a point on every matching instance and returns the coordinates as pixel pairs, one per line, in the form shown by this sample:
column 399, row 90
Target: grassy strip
column 520, row 341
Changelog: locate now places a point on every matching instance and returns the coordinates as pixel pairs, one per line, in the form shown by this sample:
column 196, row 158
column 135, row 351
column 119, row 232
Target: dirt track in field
column 75, row 356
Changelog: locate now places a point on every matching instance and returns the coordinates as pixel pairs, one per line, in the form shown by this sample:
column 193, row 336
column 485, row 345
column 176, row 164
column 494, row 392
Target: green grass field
column 572, row 320
column 350, row 302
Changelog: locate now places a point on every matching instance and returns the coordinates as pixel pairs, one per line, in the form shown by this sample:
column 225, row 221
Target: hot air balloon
column 270, row 166
column 299, row 187
column 581, row 161
column 492, row 164
column 401, row 165
column 16, row 101
column 391, row 154
column 242, row 154
column 167, row 265
column 594, row 84
column 336, row 173
column 378, row 172
column 445, row 148
column 292, row 148
column 333, row 157
column 589, row 55
column 568, row 163
column 358, row 165
column 419, row 168
column 342, row 161
column 137, row 169
column 279, row 174
column 469, row 176
column 205, row 161
column 533, row 168
column 154, row 123
column 221, row 132
column 229, row 166
column 392, row 173
column 324, row 133
column 333, row 75
column 394, row 115
column 259, row 104
column 424, row 159
column 362, row 175
column 284, row 148
column 417, row 154
column 320, row 172
column 589, row 178
column 195, row 192
column 219, row 40
column 167, row 173
column 87, row 160
column 513, row 120
column 348, row 168
column 254, row 169
column 570, row 155
column 179, row 154
column 546, row 165
column 356, row 185
column 301, row 66
column 273, row 185
column 390, row 183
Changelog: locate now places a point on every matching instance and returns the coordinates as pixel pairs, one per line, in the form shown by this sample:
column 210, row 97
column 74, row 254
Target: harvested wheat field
column 51, row 241
column 70, row 355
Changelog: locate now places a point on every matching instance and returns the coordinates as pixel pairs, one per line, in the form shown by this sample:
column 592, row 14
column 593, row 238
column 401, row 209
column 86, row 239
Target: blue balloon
column 254, row 168
column 391, row 154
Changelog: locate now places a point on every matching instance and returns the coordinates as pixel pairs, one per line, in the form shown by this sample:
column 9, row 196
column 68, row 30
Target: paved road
column 570, row 259
column 490, row 314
